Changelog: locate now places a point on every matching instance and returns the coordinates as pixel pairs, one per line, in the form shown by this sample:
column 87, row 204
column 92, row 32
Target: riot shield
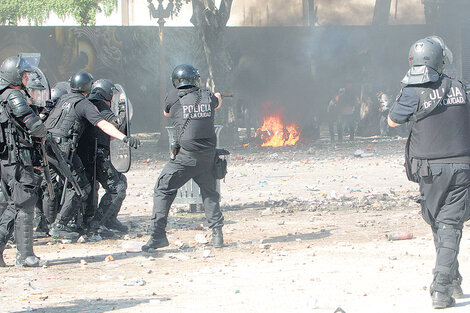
column 120, row 151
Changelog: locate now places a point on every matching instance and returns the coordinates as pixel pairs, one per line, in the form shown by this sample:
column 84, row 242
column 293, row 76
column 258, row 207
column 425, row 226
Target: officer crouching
column 191, row 110
column 437, row 157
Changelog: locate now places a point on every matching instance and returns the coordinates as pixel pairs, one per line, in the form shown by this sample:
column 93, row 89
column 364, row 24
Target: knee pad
column 121, row 188
column 449, row 236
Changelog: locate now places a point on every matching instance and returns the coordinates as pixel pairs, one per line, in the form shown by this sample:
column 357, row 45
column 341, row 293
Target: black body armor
column 15, row 135
column 193, row 115
column 63, row 121
column 444, row 132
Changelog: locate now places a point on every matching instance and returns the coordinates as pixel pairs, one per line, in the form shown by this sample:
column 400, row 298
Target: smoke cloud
column 330, row 12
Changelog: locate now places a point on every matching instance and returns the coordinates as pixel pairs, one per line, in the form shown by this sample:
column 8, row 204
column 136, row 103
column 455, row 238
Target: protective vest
column 193, row 116
column 63, row 120
column 14, row 138
column 444, row 132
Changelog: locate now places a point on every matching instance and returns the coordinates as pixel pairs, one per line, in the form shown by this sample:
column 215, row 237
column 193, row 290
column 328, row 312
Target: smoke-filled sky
column 289, row 12
column 342, row 12
column 280, row 12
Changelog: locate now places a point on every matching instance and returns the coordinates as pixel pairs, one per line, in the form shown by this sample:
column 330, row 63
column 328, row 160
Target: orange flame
column 274, row 133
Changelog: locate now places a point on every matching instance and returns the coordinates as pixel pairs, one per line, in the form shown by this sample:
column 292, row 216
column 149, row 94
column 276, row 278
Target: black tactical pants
column 47, row 207
column 114, row 184
column 198, row 166
column 73, row 203
column 21, row 184
column 445, row 189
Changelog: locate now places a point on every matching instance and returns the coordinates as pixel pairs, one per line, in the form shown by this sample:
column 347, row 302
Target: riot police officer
column 437, row 157
column 18, row 124
column 192, row 112
column 98, row 163
column 65, row 125
column 46, row 207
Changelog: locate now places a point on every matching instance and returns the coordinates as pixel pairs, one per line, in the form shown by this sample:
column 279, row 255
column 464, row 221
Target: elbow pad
column 35, row 126
column 18, row 105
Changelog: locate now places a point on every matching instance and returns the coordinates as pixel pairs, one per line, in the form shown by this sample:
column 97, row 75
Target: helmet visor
column 37, row 87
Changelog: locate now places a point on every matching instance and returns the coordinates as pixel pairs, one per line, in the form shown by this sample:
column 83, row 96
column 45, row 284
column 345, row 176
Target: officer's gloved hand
column 133, row 142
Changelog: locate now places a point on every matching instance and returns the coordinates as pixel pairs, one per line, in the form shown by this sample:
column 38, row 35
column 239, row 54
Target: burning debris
column 274, row 133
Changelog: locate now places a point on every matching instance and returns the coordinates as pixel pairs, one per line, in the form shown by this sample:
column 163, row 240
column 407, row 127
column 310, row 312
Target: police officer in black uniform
column 438, row 153
column 192, row 112
column 66, row 124
column 46, row 207
column 19, row 125
column 114, row 183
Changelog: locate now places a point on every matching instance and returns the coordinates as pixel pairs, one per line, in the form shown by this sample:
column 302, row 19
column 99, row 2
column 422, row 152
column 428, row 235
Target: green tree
column 37, row 11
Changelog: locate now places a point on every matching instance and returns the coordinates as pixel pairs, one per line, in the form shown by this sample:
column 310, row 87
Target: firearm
column 68, row 161
column 47, row 171
column 64, row 166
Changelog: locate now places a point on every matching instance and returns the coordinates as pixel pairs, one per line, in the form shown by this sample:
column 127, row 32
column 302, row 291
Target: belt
column 465, row 159
column 60, row 139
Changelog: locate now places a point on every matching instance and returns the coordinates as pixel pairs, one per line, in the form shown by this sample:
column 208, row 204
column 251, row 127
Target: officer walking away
column 437, row 157
column 18, row 124
column 191, row 110
column 66, row 124
column 98, row 163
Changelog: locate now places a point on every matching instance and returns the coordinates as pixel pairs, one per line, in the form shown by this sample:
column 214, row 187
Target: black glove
column 133, row 142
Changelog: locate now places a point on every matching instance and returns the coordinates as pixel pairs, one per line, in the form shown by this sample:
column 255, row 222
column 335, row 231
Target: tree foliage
column 37, row 11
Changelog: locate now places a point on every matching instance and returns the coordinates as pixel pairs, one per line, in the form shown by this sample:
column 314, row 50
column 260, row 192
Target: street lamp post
column 161, row 13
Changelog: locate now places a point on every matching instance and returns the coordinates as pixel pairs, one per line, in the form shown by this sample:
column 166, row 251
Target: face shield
column 37, row 87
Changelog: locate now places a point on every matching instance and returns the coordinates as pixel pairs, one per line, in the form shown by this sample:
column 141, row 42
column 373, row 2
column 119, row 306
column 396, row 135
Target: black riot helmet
column 11, row 71
column 56, row 92
column 427, row 52
column 185, row 76
column 104, row 88
column 81, row 82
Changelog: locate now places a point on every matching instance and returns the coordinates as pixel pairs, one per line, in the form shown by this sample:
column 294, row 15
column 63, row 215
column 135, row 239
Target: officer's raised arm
column 219, row 97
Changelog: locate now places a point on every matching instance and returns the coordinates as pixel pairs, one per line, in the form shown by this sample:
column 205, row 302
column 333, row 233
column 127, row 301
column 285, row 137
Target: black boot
column 114, row 223
column 60, row 230
column 97, row 229
column 217, row 237
column 155, row 243
column 457, row 291
column 441, row 300
column 24, row 240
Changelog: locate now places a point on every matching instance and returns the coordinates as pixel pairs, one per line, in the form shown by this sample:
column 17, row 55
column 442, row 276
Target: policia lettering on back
column 175, row 146
column 421, row 112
